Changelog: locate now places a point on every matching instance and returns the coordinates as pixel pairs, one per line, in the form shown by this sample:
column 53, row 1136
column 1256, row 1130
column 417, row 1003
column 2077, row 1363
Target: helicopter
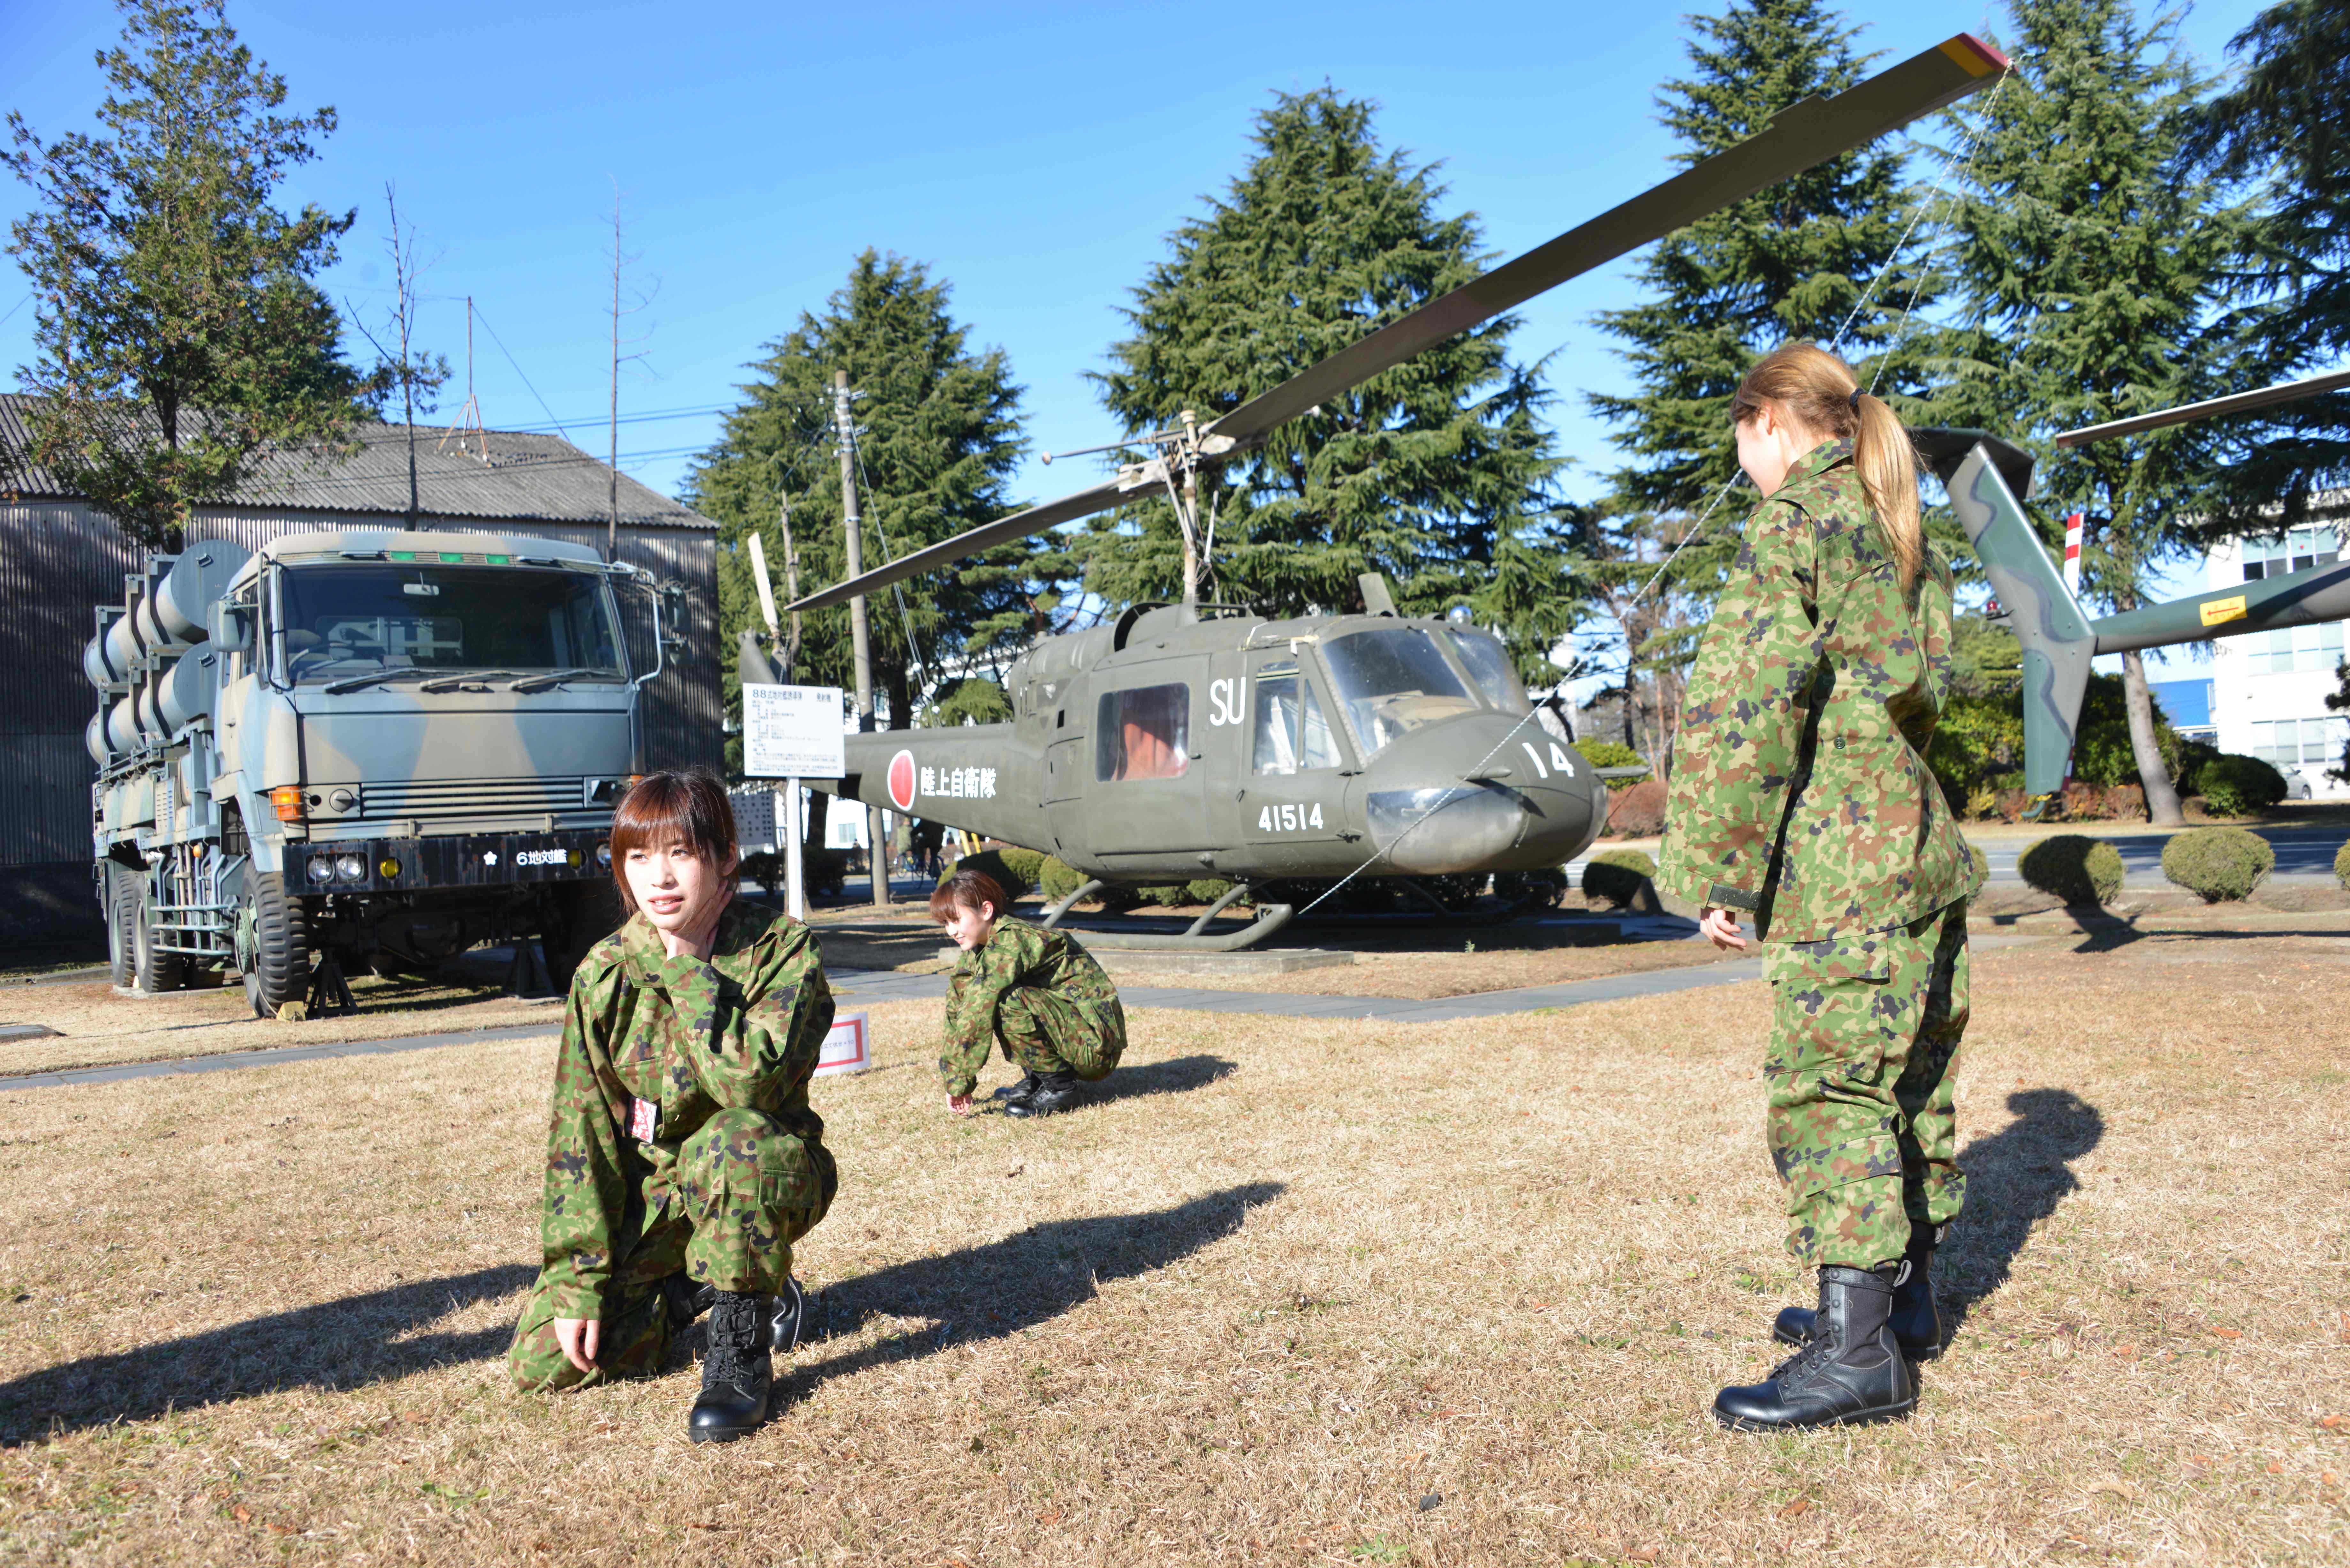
column 1189, row 740
column 1988, row 480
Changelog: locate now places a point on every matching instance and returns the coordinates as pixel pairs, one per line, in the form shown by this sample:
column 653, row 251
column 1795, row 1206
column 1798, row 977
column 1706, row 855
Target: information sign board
column 793, row 732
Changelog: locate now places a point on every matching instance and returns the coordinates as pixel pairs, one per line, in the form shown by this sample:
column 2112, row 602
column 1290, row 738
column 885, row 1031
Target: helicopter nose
column 1517, row 815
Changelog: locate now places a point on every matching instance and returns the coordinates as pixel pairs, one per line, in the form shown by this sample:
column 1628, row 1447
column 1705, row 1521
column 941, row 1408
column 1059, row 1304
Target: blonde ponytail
column 1818, row 393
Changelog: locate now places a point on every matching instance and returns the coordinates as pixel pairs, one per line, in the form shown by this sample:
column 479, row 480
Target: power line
column 518, row 370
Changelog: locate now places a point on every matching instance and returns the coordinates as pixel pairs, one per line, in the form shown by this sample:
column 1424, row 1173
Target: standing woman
column 1800, row 796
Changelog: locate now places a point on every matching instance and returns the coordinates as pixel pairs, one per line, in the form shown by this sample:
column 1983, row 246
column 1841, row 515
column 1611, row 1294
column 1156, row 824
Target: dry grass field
column 1288, row 1293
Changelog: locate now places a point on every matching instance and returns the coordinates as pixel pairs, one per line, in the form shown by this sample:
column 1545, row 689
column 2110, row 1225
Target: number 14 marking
column 1289, row 818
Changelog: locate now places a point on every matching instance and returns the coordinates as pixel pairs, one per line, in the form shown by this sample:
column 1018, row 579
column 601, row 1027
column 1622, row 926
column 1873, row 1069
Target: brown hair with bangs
column 970, row 889
column 676, row 807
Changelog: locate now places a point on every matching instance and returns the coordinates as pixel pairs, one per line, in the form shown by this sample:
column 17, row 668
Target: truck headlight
column 320, row 869
column 350, row 868
column 604, row 856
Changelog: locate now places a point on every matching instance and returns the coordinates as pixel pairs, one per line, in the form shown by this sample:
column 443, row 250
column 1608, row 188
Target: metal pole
column 862, row 650
column 794, row 875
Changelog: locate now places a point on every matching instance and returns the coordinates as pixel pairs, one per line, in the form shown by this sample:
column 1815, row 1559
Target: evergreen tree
column 2285, row 126
column 1435, row 472
column 1812, row 257
column 179, row 330
column 2089, row 277
column 938, row 432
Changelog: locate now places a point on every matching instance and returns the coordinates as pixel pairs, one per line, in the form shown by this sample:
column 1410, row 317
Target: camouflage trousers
column 1041, row 1032
column 1865, row 1034
column 743, row 1189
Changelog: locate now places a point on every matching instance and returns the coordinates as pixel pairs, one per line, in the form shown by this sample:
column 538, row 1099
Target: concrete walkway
column 866, row 986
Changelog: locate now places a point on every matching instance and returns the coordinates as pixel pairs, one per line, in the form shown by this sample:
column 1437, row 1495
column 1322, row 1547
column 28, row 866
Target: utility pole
column 612, row 515
column 860, row 648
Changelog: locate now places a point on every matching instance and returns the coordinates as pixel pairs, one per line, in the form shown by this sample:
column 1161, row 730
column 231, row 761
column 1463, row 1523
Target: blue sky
column 1036, row 155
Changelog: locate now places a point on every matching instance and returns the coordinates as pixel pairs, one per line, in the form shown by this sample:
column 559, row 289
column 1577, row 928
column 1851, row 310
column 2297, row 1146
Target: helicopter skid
column 1270, row 917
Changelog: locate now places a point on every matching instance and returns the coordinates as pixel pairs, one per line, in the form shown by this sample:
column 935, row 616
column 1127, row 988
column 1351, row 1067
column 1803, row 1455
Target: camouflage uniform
column 736, row 1169
column 1799, row 795
column 1043, row 996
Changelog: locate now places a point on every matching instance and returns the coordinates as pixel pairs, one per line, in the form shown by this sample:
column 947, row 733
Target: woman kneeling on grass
column 683, row 1160
column 1801, row 796
column 1038, row 992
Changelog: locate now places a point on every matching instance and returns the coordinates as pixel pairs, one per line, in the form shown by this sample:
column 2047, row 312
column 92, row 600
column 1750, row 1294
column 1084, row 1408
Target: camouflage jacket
column 692, row 1038
column 1015, row 954
column 1800, row 792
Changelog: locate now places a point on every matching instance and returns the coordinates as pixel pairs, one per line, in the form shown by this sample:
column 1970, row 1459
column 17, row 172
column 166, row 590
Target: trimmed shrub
column 1619, row 876
column 1982, row 861
column 2342, row 866
column 2235, row 785
column 2222, row 864
column 2074, row 867
column 1637, row 812
column 1017, row 870
column 1056, row 879
column 1205, row 890
column 1612, row 754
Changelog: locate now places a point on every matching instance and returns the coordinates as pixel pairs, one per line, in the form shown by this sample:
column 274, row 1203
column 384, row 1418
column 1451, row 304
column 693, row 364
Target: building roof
column 494, row 474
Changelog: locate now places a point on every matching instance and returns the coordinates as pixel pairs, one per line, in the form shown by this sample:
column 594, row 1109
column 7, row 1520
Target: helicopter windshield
column 1391, row 681
column 1489, row 665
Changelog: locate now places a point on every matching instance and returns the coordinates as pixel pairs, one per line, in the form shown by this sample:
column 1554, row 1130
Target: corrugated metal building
column 59, row 559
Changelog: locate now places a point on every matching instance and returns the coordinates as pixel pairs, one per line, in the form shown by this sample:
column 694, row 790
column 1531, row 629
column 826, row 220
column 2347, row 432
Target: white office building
column 2269, row 688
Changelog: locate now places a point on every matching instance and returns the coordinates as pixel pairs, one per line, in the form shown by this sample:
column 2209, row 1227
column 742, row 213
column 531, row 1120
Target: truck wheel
column 154, row 969
column 580, row 915
column 273, row 944
column 123, row 889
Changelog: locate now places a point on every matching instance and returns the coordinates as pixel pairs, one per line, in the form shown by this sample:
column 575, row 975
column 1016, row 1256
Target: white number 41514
column 1289, row 818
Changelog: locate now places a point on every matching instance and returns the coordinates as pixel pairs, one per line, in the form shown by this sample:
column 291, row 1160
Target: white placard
column 755, row 820
column 793, row 732
column 848, row 1048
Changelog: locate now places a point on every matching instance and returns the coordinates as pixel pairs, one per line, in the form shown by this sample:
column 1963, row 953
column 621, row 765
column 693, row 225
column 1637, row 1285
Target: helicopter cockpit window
column 1391, row 681
column 1489, row 666
column 1291, row 732
column 1143, row 733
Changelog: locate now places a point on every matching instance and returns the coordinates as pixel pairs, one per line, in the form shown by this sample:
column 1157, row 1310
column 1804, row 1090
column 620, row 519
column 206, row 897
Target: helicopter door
column 1146, row 795
column 1294, row 788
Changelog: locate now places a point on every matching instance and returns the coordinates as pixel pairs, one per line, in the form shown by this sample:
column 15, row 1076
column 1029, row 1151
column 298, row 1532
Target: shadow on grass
column 2015, row 1179
column 335, row 1345
column 1176, row 1075
column 1025, row 1280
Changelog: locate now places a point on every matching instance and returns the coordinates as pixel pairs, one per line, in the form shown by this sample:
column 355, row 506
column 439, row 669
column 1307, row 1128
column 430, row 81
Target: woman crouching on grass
column 683, row 1160
column 1037, row 992
column 1801, row 796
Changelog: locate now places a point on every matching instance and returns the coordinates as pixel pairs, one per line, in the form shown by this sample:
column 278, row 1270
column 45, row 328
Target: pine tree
column 937, row 434
column 178, row 329
column 2089, row 274
column 1435, row 472
column 2284, row 125
column 1812, row 257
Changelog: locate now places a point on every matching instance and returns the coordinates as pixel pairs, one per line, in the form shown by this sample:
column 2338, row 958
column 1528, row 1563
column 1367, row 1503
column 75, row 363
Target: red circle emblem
column 901, row 780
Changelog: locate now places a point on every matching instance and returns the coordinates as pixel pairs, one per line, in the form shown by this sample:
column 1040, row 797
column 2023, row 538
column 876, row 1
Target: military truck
column 383, row 747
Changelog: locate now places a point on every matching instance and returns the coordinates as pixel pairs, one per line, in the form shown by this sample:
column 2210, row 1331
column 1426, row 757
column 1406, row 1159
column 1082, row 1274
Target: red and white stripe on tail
column 2073, row 551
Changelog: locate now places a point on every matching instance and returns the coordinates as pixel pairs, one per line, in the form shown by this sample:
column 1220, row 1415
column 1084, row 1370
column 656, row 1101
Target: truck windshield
column 1391, row 681
column 1489, row 665
column 343, row 620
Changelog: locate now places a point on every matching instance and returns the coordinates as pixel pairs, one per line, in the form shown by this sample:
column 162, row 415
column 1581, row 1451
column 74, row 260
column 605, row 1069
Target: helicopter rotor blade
column 1803, row 134
column 1103, row 497
column 2235, row 403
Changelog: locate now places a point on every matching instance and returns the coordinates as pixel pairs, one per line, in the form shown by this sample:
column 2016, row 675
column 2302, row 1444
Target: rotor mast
column 860, row 647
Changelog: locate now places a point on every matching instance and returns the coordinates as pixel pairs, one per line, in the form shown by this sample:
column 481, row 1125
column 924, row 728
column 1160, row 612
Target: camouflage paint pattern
column 1865, row 1037
column 1043, row 996
column 735, row 1170
column 1800, row 793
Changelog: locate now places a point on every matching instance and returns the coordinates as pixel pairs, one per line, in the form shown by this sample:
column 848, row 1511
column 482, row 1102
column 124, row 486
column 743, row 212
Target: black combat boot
column 1056, row 1092
column 735, row 1372
column 1013, row 1094
column 684, row 1300
column 1849, row 1373
column 786, row 1315
column 1915, row 1325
